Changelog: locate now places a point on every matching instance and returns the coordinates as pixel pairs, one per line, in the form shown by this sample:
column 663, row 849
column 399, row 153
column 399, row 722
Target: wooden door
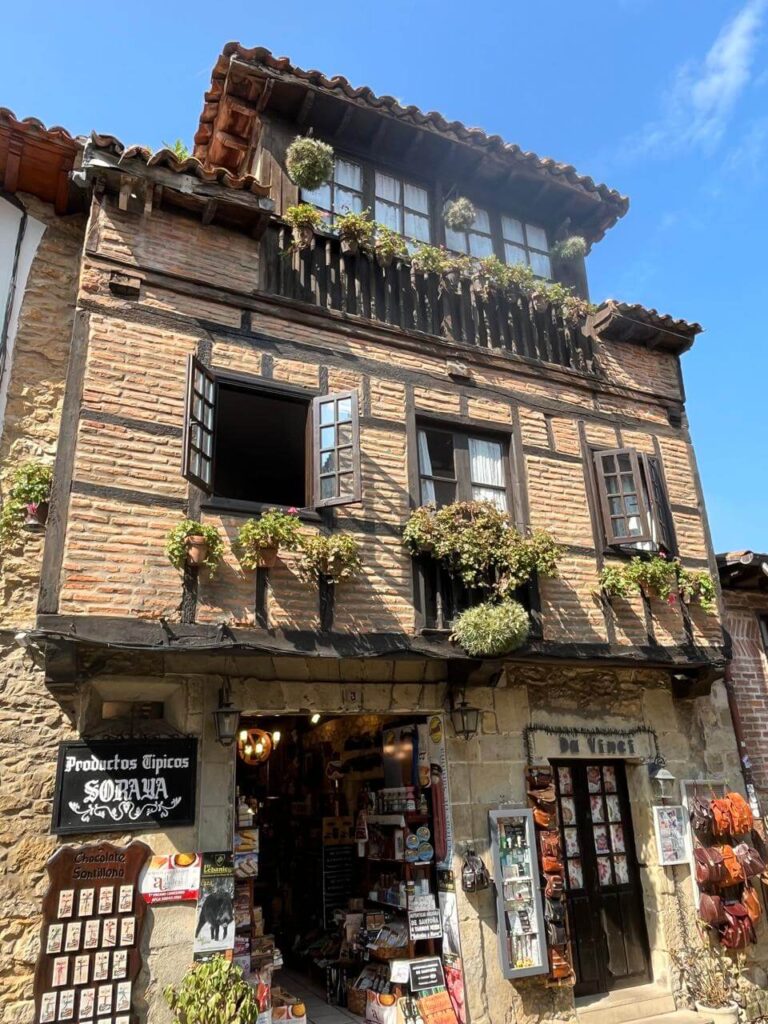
column 605, row 905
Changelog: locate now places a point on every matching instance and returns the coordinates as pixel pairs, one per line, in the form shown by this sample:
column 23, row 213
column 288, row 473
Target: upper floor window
column 526, row 243
column 344, row 194
column 245, row 442
column 633, row 500
column 475, row 242
column 402, row 207
column 455, row 466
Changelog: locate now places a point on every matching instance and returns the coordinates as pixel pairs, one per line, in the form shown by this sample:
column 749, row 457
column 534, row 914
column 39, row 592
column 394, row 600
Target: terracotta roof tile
column 33, row 126
column 654, row 318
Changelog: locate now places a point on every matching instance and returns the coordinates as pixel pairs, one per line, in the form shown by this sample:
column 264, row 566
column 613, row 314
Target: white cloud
column 704, row 93
column 746, row 160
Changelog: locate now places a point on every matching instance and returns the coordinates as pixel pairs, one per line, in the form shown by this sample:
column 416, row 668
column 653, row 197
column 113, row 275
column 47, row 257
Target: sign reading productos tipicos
column 116, row 785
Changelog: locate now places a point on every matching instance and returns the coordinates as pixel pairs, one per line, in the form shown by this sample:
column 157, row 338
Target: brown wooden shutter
column 622, row 499
column 336, row 449
column 199, row 425
column 659, row 502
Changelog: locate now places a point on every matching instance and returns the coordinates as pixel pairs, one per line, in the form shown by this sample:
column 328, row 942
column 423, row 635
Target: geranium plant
column 430, row 259
column 26, row 500
column 389, row 245
column 492, row 629
column 459, row 214
column 260, row 539
column 193, row 543
column 659, row 576
column 309, row 162
column 305, row 219
column 355, row 231
column 214, row 992
column 329, row 557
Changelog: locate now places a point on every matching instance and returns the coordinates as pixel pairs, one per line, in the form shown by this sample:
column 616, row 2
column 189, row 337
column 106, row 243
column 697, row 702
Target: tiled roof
column 431, row 120
column 743, row 570
column 191, row 165
column 624, row 321
column 33, row 126
column 654, row 318
column 38, row 160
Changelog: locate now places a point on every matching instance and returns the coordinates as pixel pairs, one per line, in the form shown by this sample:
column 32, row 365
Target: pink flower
column 293, row 511
column 671, row 599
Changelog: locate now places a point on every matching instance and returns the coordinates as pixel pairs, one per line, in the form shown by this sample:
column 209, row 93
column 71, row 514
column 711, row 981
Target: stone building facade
column 174, row 261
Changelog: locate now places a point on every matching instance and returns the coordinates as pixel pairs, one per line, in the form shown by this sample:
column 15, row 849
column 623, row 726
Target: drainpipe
column 738, row 731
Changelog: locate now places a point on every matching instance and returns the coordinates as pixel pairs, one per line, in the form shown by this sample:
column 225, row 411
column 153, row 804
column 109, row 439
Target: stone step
column 625, row 1006
column 677, row 1017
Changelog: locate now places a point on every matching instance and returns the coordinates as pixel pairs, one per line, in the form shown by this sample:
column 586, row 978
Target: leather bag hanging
column 552, row 865
column 734, row 873
column 721, row 816
column 474, row 873
column 709, row 865
column 555, row 885
column 742, row 819
column 711, row 910
column 738, row 931
column 545, row 797
column 539, row 778
column 751, row 902
column 556, row 934
column 701, row 814
column 550, row 844
column 554, row 910
column 559, row 966
column 751, row 862
column 544, row 819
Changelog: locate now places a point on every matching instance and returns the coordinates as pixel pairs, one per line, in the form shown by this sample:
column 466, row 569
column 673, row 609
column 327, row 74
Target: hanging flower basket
column 459, row 215
column 197, row 549
column 25, row 503
column 36, row 516
column 259, row 540
column 305, row 219
column 388, row 246
column 193, row 545
column 355, row 231
column 309, row 162
column 570, row 249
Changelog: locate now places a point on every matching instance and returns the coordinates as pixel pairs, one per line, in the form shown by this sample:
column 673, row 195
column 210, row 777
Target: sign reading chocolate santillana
column 114, row 785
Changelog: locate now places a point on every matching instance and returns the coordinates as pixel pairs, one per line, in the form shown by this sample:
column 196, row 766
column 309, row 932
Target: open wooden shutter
column 336, row 449
column 659, row 502
column 199, row 425
column 622, row 500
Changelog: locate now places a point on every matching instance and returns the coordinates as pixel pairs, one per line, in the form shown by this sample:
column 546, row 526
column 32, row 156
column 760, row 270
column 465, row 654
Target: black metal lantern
column 465, row 719
column 226, row 718
column 660, row 774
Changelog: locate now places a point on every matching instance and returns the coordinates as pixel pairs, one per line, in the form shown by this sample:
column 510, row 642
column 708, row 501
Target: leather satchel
column 544, row 819
column 559, row 967
column 550, row 844
column 701, row 814
column 751, row 903
column 721, row 816
column 742, row 819
column 711, row 910
column 738, row 931
column 552, row 866
column 750, row 860
column 734, row 873
column 555, row 885
column 554, row 911
column 709, row 865
column 556, row 935
column 545, row 797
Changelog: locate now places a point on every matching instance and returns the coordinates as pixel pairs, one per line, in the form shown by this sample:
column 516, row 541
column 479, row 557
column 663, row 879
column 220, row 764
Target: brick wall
column 749, row 672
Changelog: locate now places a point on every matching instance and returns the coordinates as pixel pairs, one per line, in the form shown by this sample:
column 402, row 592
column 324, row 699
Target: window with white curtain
column 526, row 243
column 402, row 207
column 477, row 241
column 459, row 467
column 343, row 194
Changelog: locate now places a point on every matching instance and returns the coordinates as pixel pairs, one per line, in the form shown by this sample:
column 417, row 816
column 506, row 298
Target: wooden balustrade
column 400, row 296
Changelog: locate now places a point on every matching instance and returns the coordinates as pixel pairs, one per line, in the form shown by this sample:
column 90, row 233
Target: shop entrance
column 341, row 828
column 605, row 907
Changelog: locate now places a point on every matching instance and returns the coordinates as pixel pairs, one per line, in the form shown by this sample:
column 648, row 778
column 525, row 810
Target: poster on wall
column 172, row 878
column 117, row 785
column 671, row 824
column 215, row 928
column 438, row 766
column 90, row 942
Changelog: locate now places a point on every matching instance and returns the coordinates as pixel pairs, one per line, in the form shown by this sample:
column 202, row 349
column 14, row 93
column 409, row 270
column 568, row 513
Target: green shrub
column 273, row 529
column 430, row 259
column 214, row 992
column 176, row 544
column 309, row 162
column 389, row 244
column 490, row 630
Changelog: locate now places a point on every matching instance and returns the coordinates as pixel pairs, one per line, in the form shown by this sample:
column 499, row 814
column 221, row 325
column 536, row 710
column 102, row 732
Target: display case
column 522, row 942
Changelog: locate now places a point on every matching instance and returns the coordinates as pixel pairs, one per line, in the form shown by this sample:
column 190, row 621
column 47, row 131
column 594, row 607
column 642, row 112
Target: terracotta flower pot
column 350, row 246
column 197, row 549
column 36, row 516
column 385, row 259
column 305, row 233
column 720, row 1014
column 268, row 556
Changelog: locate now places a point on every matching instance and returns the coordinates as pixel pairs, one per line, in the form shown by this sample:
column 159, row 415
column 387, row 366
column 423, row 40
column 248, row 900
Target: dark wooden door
column 605, row 904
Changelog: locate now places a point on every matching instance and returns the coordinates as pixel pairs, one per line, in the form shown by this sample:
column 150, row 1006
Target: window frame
column 462, row 464
column 332, row 213
column 656, row 515
column 357, row 490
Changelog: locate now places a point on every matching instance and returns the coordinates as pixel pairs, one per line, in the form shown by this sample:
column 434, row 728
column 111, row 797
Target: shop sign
column 92, row 933
column 550, row 742
column 424, row 924
column 172, row 878
column 426, row 973
column 116, row 785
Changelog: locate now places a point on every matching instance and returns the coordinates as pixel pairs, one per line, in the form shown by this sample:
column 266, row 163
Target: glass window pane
column 514, row 253
column 614, row 506
column 207, row 445
column 347, row 173
column 634, row 527
column 328, row 487
column 631, row 504
column 437, row 460
column 512, row 230
column 497, row 498
column 345, row 433
column 388, row 215
column 387, row 187
column 537, row 237
column 445, row 492
column 485, row 462
column 327, row 437
column 345, row 459
column 327, row 462
column 627, row 483
column 612, row 484
column 416, row 198
column 456, row 241
column 480, row 245
column 482, row 221
column 345, row 409
column 625, row 465
column 326, row 412
column 346, row 483
column 416, row 226
column 540, row 264
column 318, row 196
column 347, row 202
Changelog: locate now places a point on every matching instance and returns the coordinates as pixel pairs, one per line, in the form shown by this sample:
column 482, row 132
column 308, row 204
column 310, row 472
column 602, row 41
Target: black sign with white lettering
column 116, row 785
column 426, row 974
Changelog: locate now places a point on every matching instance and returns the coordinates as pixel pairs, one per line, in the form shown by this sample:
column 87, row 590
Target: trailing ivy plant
column 389, row 245
column 568, row 249
column 273, row 529
column 492, row 274
column 29, row 487
column 176, row 544
column 477, row 543
column 304, row 215
column 214, row 992
column 430, row 259
column 333, row 558
column 309, row 162
column 459, row 214
column 659, row 576
column 356, row 228
column 492, row 629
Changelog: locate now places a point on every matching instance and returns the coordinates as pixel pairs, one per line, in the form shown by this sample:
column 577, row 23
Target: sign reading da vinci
column 114, row 785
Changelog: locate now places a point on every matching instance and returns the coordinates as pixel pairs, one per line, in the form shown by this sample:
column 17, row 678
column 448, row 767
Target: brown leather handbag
column 751, row 903
column 701, row 814
column 751, row 862
column 543, row 818
column 721, row 816
column 545, row 797
column 555, row 886
column 738, row 931
column 742, row 819
column 734, row 873
column 552, row 865
column 711, row 910
column 559, row 966
column 709, row 865
column 550, row 844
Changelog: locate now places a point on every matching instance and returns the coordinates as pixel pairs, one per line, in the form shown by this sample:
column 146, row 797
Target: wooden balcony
column 414, row 302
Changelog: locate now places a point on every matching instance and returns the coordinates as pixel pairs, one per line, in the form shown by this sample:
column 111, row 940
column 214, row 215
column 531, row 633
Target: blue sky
column 665, row 100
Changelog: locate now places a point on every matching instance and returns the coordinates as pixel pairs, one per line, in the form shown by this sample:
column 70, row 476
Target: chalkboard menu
column 115, row 785
column 338, row 866
column 93, row 915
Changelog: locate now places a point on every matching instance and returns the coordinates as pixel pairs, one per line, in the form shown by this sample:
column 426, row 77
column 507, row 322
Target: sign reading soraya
column 114, row 785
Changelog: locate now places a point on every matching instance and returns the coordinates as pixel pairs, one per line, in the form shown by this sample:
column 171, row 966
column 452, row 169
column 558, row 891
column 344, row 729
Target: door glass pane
column 575, row 875
column 327, row 437
column 345, row 459
column 540, row 264
column 604, row 871
column 327, row 486
column 537, row 237
column 568, row 811
column 326, row 412
column 416, row 198
column 617, row 838
column 594, row 778
column 614, row 810
column 609, row 778
column 345, row 433
column 512, row 230
column 622, row 870
column 565, row 781
column 572, row 848
column 327, row 462
column 347, row 173
column 345, row 410
column 514, row 254
column 601, row 839
column 596, row 808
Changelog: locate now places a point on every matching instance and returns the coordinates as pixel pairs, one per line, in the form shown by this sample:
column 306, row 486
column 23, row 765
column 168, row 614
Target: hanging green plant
column 333, row 558
column 459, row 214
column 389, row 245
column 194, row 544
column 659, row 577
column 305, row 219
column 696, row 586
column 309, row 162
column 355, row 231
column 430, row 259
column 570, row 249
column 259, row 540
column 214, row 992
column 477, row 543
column 491, row 629
column 26, row 501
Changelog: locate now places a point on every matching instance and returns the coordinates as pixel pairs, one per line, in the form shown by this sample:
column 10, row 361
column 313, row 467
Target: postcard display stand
column 522, row 944
column 93, row 916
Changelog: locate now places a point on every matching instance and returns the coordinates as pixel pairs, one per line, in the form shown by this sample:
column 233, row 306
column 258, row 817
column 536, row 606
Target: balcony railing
column 357, row 285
